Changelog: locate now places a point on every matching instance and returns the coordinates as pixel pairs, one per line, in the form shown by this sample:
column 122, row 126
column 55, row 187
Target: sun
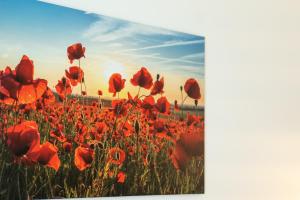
column 112, row 66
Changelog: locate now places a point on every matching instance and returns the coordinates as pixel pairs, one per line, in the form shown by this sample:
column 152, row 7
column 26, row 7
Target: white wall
column 252, row 88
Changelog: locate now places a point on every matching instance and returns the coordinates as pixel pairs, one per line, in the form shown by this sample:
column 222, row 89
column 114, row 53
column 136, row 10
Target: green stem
column 18, row 183
column 157, row 174
column 81, row 79
column 182, row 102
column 49, row 183
column 139, row 91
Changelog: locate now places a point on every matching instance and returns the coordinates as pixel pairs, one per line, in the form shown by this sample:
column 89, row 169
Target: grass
column 148, row 168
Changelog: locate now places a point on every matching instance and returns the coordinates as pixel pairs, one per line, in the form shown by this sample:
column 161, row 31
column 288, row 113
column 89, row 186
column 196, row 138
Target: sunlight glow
column 112, row 66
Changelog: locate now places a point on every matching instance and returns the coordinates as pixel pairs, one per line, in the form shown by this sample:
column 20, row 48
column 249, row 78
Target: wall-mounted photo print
column 93, row 106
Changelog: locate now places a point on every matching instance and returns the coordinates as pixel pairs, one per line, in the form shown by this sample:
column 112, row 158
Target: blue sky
column 43, row 32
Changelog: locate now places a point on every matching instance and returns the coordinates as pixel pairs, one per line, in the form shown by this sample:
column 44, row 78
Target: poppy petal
column 24, row 70
column 31, row 92
column 10, row 85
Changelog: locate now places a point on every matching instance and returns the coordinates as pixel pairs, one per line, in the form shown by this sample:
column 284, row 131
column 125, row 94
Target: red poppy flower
column 162, row 105
column 47, row 155
column 63, row 88
column 75, row 52
column 48, row 97
column 101, row 127
column 159, row 126
column 160, row 129
column 98, row 131
column 142, row 78
column 126, row 129
column 58, row 134
column 148, row 102
column 83, row 157
column 6, row 71
column 23, row 138
column 133, row 101
column 116, row 83
column 158, row 87
column 30, row 90
column 119, row 107
column 19, row 85
column 192, row 119
column 75, row 75
column 121, row 177
column 179, row 157
column 116, row 156
column 191, row 87
column 29, row 107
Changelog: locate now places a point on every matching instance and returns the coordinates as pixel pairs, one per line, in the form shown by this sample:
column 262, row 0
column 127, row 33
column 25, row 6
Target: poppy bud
column 83, row 93
column 64, row 81
column 157, row 77
column 92, row 146
column 82, row 79
column 67, row 147
column 136, row 126
column 181, row 88
column 176, row 105
column 196, row 102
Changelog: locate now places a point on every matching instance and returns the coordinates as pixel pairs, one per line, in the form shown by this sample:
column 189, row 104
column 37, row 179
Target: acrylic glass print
column 95, row 106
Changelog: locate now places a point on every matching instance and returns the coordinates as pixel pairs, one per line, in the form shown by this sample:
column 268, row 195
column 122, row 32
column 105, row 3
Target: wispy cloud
column 188, row 59
column 108, row 29
column 131, row 39
column 157, row 58
column 194, row 55
column 181, row 60
column 167, row 44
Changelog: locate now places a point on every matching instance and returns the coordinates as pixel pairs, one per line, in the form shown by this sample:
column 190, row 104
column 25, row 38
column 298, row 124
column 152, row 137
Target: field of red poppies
column 53, row 145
